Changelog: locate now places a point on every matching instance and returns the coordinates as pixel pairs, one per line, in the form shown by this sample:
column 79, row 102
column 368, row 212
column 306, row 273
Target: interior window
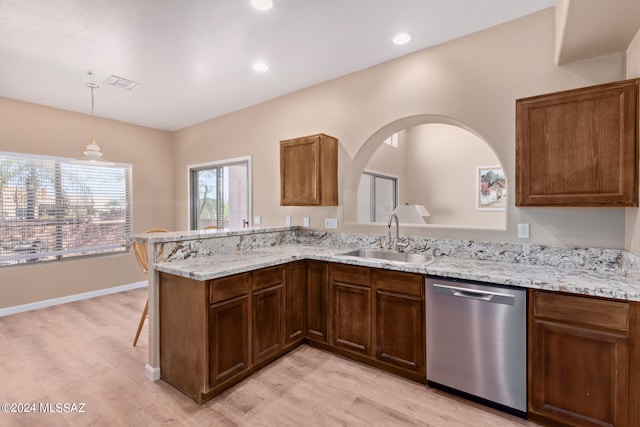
column 51, row 208
column 220, row 194
column 378, row 195
column 392, row 141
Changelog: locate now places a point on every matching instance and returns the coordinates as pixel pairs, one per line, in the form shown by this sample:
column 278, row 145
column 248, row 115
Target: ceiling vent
column 121, row 82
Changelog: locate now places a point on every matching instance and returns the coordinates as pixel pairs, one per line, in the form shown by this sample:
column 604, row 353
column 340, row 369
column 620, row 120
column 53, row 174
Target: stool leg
column 144, row 316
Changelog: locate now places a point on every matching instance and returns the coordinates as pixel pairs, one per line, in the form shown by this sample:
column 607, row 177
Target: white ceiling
column 194, row 57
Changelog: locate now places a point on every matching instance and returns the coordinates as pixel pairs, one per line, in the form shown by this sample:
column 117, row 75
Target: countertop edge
column 179, row 236
column 574, row 281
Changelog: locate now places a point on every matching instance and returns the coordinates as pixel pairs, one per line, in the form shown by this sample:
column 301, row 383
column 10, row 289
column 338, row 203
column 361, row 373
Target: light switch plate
column 287, row 220
column 523, row 231
column 307, row 221
column 257, row 220
column 331, row 223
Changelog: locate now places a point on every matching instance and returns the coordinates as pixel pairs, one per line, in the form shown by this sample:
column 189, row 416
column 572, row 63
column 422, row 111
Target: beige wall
column 632, row 241
column 35, row 129
column 442, row 164
column 436, row 166
column 473, row 81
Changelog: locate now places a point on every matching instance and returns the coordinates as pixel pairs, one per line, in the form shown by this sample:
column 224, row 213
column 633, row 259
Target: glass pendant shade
column 92, row 153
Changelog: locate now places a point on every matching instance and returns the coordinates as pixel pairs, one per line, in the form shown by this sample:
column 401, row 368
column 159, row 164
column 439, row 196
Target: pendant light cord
column 93, row 123
column 92, row 86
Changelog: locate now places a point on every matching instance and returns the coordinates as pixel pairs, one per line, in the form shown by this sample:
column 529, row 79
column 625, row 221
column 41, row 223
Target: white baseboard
column 151, row 373
column 70, row 298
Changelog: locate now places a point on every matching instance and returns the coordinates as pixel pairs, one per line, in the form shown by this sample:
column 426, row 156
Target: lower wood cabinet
column 400, row 328
column 268, row 312
column 350, row 289
column 377, row 317
column 581, row 363
column 317, row 304
column 215, row 333
column 184, row 359
column 295, row 302
column 228, row 339
column 583, row 352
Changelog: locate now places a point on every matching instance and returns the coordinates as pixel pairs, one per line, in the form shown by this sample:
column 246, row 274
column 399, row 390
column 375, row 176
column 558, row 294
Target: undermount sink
column 390, row 256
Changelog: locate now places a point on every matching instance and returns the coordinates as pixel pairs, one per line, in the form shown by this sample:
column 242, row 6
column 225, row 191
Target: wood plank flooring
column 81, row 353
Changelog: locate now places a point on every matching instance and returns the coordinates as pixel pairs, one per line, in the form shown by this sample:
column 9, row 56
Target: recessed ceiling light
column 402, row 38
column 262, row 4
column 260, row 67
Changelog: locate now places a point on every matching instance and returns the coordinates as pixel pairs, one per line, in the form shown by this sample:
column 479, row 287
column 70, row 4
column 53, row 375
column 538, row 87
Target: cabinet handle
column 495, row 297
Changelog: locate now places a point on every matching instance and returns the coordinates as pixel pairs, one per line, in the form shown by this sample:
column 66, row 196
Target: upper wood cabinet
column 578, row 147
column 309, row 171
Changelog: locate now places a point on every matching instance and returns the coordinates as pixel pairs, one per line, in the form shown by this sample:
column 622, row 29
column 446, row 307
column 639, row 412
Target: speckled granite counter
column 572, row 280
column 209, row 254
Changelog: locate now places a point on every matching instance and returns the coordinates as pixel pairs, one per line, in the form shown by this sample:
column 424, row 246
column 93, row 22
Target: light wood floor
column 81, row 353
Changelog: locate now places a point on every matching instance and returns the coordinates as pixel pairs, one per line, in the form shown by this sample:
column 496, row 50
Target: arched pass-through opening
column 439, row 162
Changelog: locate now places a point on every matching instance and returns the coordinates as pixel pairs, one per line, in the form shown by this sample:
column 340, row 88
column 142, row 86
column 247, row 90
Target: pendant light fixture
column 92, row 153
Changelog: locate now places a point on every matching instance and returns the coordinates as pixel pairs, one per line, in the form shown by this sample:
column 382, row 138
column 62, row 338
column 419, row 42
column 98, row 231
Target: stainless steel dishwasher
column 476, row 342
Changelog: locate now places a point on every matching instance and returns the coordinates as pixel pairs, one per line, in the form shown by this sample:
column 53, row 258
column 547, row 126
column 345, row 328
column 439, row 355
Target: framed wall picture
column 491, row 194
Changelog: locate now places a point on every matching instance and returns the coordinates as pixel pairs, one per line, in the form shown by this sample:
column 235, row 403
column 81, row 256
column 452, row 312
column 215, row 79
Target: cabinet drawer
column 351, row 274
column 228, row 287
column 268, row 277
column 403, row 283
column 582, row 310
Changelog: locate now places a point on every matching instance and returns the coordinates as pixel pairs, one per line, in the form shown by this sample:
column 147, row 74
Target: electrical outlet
column 306, row 221
column 523, row 231
column 331, row 223
column 257, row 220
column 287, row 220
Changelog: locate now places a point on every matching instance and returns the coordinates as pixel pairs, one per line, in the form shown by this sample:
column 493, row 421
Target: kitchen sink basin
column 390, row 256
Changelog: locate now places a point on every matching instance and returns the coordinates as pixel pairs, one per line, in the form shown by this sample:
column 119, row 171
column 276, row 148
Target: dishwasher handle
column 476, row 294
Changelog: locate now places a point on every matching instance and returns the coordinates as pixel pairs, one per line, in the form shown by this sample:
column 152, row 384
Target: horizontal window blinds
column 51, row 208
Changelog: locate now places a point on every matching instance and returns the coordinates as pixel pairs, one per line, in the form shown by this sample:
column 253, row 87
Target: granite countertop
column 571, row 280
column 182, row 236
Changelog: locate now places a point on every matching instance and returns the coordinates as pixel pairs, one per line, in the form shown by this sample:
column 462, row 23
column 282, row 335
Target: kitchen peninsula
column 263, row 261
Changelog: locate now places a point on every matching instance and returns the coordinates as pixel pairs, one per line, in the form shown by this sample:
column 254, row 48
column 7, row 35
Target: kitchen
column 508, row 62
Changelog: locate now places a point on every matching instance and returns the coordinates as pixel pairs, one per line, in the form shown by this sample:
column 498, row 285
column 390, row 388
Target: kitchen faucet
column 397, row 245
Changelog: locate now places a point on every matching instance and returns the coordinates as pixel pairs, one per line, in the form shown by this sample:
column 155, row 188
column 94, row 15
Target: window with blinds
column 52, row 209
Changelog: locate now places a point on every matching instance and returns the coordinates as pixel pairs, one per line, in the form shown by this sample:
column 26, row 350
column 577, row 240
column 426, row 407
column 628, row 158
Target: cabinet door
column 399, row 330
column 295, row 304
column 352, row 317
column 400, row 319
column 268, row 322
column 309, row 171
column 578, row 147
column 580, row 376
column 228, row 339
column 351, row 302
column 317, row 300
column 580, row 360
